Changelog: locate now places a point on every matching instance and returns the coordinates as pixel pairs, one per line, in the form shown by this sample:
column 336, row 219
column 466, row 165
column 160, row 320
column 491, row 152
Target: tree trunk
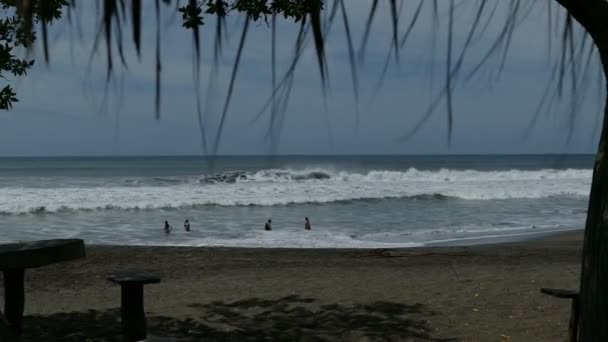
column 592, row 15
column 594, row 276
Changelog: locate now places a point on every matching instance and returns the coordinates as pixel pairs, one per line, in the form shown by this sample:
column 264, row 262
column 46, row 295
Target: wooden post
column 14, row 298
column 573, row 326
column 132, row 303
column 6, row 334
column 132, row 309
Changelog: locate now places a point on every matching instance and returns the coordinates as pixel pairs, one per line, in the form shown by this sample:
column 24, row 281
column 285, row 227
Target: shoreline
column 457, row 293
column 498, row 239
column 507, row 239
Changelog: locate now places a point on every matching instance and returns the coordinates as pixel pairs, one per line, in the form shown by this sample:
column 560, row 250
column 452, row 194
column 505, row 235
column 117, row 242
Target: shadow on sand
column 291, row 318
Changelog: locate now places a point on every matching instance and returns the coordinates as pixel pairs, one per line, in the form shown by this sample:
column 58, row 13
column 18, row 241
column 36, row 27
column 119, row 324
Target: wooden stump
column 133, row 317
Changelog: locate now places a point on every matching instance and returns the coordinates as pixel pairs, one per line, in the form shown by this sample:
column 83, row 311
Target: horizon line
column 297, row 155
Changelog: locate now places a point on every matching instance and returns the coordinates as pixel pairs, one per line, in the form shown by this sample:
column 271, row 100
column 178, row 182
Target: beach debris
column 390, row 253
column 380, row 253
column 505, row 338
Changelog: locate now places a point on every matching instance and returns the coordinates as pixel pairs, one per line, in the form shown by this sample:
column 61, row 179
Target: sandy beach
column 473, row 293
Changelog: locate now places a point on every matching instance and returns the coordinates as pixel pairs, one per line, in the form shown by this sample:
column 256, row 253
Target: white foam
column 283, row 187
column 285, row 239
column 291, row 238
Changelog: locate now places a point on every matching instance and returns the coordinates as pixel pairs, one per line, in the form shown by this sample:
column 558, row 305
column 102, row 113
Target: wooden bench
column 132, row 303
column 574, row 309
column 15, row 258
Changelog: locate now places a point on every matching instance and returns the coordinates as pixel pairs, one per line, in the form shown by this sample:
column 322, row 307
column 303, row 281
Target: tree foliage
column 17, row 35
column 571, row 71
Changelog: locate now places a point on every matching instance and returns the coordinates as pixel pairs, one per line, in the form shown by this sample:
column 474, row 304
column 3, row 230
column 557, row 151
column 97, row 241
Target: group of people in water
column 267, row 226
column 169, row 228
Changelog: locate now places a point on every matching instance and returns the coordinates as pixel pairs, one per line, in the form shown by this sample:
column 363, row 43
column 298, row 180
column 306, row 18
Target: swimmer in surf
column 168, row 228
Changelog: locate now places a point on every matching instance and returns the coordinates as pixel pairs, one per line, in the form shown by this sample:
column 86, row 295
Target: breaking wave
column 281, row 187
column 68, row 209
column 412, row 174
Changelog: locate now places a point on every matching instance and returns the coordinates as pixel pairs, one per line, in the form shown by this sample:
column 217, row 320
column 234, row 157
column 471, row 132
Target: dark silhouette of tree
column 315, row 18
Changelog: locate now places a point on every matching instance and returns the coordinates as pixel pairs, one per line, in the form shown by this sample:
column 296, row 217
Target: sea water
column 352, row 201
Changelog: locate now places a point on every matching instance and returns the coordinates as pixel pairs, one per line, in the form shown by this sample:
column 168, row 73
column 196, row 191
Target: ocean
column 352, row 201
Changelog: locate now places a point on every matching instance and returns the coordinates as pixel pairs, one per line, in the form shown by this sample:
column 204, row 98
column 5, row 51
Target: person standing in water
column 187, row 225
column 168, row 228
column 268, row 226
column 306, row 223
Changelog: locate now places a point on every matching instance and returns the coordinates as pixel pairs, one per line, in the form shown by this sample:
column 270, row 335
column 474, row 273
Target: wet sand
column 473, row 293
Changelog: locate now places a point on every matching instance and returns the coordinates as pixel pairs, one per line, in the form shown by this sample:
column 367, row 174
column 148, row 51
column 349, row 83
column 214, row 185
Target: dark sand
column 425, row 294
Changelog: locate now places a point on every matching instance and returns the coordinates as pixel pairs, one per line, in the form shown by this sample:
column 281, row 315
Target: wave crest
column 280, row 187
column 411, row 174
column 42, row 210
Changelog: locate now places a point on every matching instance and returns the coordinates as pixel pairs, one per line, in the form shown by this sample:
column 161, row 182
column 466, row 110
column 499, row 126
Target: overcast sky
column 61, row 110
